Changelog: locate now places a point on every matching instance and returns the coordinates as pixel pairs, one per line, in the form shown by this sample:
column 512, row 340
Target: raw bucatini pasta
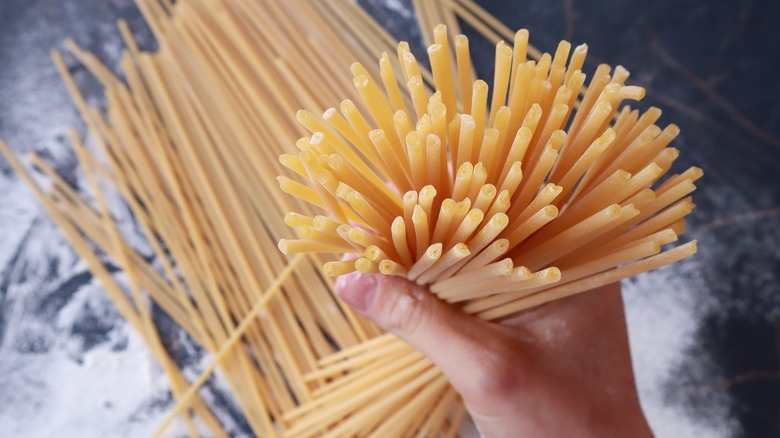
column 503, row 204
column 422, row 174
column 567, row 194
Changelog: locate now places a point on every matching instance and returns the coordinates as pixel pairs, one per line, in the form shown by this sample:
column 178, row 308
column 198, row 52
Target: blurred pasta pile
column 522, row 195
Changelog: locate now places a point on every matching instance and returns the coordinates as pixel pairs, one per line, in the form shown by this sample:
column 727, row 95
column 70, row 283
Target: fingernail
column 357, row 290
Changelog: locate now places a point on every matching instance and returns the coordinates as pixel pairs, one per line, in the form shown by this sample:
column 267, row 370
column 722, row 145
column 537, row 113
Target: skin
column 563, row 369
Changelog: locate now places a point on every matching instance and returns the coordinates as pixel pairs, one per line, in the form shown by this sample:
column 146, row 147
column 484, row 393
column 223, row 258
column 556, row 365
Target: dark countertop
column 705, row 333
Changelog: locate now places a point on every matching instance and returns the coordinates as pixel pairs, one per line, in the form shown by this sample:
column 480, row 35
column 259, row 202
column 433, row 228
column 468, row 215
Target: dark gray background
column 705, row 333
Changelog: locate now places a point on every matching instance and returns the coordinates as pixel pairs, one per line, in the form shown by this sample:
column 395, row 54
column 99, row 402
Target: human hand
column 563, row 369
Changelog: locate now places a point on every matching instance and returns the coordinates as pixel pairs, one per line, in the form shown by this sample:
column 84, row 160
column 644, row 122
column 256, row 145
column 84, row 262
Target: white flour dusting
column 663, row 312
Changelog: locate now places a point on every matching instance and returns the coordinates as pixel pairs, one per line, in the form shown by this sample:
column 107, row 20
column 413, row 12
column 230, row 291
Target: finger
column 481, row 360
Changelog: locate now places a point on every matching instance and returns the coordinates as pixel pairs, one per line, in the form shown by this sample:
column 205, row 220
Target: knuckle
column 404, row 312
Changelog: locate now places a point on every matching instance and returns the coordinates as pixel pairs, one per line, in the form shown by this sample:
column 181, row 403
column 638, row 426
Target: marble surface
column 705, row 333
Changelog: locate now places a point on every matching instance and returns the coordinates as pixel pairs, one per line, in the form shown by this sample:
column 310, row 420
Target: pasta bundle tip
column 444, row 182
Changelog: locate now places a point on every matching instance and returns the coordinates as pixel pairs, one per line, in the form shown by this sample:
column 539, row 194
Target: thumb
column 479, row 359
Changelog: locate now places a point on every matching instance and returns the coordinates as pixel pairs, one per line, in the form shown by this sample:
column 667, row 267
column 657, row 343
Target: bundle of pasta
column 496, row 207
column 522, row 196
